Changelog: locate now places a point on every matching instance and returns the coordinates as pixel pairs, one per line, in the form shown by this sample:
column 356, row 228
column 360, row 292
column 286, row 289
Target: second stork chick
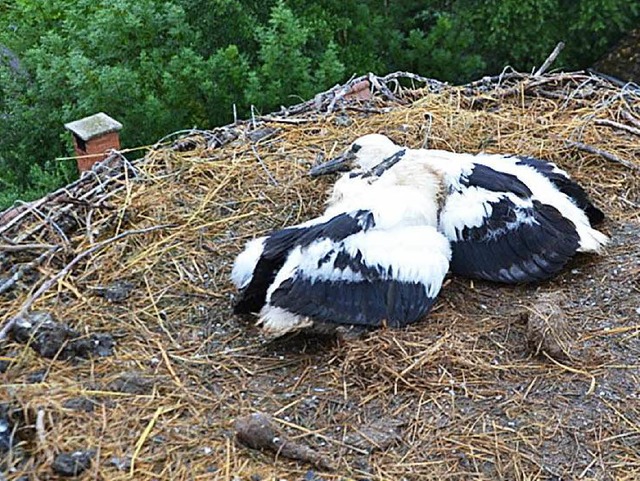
column 509, row 219
column 374, row 258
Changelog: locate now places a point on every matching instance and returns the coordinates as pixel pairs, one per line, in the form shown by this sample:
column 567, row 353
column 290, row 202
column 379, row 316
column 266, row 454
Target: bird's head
column 364, row 154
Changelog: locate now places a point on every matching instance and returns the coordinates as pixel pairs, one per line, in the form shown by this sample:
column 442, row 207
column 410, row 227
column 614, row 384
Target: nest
column 142, row 251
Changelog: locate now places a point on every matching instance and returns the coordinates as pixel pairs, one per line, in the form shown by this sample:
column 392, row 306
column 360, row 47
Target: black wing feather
column 504, row 250
column 279, row 244
column 367, row 303
column 485, row 177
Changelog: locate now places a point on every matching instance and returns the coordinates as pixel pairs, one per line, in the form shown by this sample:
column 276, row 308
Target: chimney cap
column 93, row 126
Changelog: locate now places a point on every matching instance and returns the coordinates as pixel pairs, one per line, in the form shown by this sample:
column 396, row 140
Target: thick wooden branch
column 617, row 125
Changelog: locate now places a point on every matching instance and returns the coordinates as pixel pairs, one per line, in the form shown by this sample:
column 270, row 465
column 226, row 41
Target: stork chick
column 374, row 258
column 509, row 219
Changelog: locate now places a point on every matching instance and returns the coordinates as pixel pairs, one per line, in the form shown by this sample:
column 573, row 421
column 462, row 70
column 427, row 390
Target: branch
column 631, row 118
column 63, row 191
column 550, row 59
column 379, row 84
column 602, row 153
column 340, row 92
column 23, row 247
column 285, row 120
column 617, row 125
column 264, row 167
column 47, row 285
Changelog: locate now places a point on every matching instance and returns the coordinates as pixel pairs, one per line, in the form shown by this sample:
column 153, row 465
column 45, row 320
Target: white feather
column 413, row 253
column 276, row 322
column 246, row 262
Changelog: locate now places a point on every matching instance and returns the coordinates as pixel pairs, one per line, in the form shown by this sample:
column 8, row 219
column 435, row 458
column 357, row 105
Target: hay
column 461, row 392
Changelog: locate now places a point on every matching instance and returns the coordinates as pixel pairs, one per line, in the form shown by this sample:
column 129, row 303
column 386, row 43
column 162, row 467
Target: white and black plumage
column 372, row 259
column 509, row 219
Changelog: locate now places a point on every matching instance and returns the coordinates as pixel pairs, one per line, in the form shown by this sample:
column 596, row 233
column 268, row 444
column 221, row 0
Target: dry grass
column 461, row 393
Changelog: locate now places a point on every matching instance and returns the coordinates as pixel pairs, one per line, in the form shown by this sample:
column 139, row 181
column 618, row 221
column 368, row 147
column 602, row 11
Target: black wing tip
column 595, row 215
column 535, row 252
column 364, row 303
column 249, row 303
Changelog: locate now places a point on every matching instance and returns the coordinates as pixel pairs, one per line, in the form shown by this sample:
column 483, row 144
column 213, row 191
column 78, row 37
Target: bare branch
column 617, row 125
column 602, row 153
column 550, row 59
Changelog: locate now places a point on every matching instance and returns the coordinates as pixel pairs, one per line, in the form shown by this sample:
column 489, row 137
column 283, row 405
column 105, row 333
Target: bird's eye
column 355, row 148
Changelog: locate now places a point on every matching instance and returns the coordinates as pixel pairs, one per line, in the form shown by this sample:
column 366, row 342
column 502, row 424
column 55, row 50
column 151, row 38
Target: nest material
column 548, row 328
column 465, row 397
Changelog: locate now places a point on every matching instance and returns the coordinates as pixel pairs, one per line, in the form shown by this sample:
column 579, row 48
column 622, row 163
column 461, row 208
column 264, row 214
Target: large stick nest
column 500, row 382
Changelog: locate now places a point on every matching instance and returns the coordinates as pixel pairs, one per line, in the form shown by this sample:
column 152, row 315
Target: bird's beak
column 342, row 163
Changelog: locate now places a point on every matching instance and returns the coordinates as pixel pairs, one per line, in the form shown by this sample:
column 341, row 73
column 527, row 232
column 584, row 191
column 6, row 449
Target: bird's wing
column 256, row 267
column 371, row 278
column 566, row 185
column 502, row 237
column 487, row 178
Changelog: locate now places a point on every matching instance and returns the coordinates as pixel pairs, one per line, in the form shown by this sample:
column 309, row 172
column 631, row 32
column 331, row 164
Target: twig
column 339, row 95
column 271, row 177
column 601, row 153
column 286, row 120
column 54, row 195
column 418, row 78
column 178, row 133
column 631, row 118
column 609, row 78
column 20, row 271
column 58, row 230
column 41, row 432
column 550, row 59
column 526, row 85
column 23, row 247
column 40, row 427
column 379, row 84
column 45, row 286
column 617, row 125
column 492, row 82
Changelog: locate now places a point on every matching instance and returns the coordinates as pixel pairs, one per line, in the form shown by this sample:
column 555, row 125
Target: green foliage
column 128, row 58
column 161, row 66
column 522, row 33
column 289, row 70
column 284, row 68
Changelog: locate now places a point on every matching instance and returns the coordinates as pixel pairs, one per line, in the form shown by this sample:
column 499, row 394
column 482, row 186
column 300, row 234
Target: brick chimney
column 92, row 137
